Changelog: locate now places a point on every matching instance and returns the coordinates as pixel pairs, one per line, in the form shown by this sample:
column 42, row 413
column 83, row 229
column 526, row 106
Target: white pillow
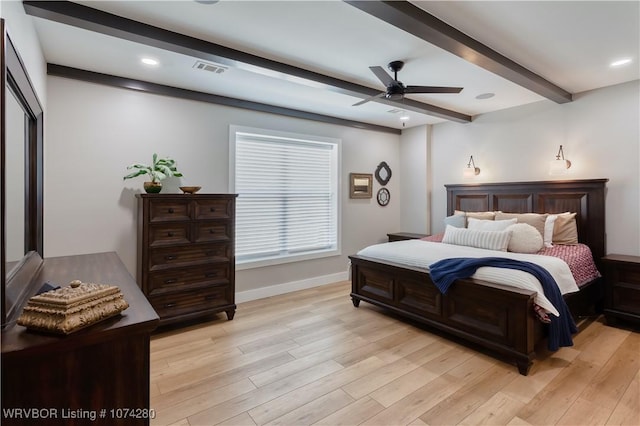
column 490, row 225
column 490, row 240
column 524, row 239
column 548, row 230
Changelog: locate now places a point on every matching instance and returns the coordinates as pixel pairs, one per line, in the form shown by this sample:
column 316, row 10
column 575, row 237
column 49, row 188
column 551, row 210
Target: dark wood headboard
column 584, row 197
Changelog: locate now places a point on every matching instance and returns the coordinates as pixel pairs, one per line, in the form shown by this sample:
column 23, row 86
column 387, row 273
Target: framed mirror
column 360, row 185
column 383, row 173
column 21, row 182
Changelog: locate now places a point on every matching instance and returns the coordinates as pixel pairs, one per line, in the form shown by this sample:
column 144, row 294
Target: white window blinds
column 287, row 197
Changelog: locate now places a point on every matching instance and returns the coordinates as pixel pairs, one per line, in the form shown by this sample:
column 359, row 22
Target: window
column 288, row 193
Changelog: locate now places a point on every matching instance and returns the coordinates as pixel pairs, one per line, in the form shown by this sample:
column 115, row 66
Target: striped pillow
column 490, row 240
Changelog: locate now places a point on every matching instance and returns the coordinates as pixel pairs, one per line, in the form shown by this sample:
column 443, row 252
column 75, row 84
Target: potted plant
column 159, row 169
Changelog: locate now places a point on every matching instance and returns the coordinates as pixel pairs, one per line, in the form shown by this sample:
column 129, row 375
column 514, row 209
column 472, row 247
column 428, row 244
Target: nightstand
column 622, row 287
column 400, row 236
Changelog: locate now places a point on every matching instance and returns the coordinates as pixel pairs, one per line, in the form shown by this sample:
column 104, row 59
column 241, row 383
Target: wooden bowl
column 190, row 189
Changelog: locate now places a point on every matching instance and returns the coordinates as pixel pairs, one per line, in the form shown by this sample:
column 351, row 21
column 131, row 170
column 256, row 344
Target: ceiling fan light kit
column 395, row 89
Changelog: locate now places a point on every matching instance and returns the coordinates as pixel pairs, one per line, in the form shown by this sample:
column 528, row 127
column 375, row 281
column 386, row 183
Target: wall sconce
column 559, row 165
column 471, row 170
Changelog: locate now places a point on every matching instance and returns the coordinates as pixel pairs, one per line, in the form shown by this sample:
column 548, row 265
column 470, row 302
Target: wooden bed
column 493, row 316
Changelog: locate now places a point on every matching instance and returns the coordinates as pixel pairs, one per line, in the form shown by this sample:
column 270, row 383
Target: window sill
column 279, row 260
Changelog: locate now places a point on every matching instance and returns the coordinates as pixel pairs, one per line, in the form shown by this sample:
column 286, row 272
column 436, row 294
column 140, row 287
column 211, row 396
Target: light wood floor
column 310, row 357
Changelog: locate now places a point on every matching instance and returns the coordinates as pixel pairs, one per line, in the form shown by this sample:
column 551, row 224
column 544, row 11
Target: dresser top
column 188, row 196
column 104, row 268
column 622, row 258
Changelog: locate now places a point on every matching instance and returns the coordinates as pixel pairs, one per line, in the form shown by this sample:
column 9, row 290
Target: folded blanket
column 446, row 271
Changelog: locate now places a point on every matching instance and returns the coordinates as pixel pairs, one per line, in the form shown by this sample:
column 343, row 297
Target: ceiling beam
column 175, row 92
column 422, row 24
column 91, row 19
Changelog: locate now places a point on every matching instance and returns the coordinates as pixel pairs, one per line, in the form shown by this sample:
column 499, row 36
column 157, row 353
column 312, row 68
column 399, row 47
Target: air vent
column 395, row 111
column 208, row 66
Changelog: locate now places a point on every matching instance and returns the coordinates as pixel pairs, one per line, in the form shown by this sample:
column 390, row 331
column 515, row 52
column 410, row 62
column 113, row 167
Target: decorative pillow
column 548, row 230
column 534, row 219
column 456, row 220
column 475, row 215
column 491, row 240
column 565, row 229
column 489, row 225
column 524, row 238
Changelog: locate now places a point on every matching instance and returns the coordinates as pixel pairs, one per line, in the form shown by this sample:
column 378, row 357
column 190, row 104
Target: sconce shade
column 560, row 165
column 471, row 170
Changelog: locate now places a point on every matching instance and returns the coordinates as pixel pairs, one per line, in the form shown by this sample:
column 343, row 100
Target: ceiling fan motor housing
column 395, row 92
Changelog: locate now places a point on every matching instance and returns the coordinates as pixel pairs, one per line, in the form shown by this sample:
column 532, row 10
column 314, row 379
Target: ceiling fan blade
column 370, row 98
column 382, row 75
column 432, row 89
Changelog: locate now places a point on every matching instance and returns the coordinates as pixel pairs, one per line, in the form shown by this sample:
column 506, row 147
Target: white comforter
column 423, row 253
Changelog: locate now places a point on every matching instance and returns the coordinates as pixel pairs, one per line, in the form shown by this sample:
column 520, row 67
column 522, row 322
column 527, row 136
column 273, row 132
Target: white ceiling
column 568, row 43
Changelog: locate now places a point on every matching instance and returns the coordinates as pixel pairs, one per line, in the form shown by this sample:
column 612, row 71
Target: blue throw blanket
column 446, row 271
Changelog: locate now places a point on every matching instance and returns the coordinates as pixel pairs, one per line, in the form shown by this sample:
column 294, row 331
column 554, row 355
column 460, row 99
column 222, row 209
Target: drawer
column 191, row 302
column 173, row 280
column 161, row 258
column 629, row 274
column 167, row 234
column 213, row 209
column 168, row 210
column 626, row 298
column 213, row 231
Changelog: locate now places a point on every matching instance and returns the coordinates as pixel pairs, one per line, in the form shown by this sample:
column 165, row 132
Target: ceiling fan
column 396, row 90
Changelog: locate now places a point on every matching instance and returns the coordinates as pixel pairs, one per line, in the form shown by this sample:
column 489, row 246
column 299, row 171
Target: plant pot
column 152, row 187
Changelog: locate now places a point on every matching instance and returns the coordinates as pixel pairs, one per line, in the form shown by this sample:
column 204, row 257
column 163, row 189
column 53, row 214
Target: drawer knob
column 170, row 281
column 210, row 274
column 212, row 209
column 170, row 305
column 169, row 234
column 169, row 257
column 170, row 210
column 210, row 297
column 211, row 231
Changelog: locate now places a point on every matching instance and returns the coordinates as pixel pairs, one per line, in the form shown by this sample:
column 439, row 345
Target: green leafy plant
column 160, row 168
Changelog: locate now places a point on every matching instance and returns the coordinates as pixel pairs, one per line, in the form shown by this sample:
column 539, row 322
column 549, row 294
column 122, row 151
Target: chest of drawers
column 186, row 260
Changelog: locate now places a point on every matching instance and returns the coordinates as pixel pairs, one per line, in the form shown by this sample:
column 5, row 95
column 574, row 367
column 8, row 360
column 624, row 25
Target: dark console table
column 101, row 371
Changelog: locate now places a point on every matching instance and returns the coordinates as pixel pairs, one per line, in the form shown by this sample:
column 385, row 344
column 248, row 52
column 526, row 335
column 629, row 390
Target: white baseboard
column 274, row 290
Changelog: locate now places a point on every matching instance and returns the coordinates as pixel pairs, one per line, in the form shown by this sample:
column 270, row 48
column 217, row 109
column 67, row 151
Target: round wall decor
column 383, row 196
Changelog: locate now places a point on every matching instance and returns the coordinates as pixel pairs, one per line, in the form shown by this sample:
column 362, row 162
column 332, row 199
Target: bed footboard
column 496, row 317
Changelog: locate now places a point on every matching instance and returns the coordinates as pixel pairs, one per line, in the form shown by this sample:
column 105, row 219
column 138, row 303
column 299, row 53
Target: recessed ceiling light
column 620, row 62
column 149, row 61
column 404, row 117
column 485, row 95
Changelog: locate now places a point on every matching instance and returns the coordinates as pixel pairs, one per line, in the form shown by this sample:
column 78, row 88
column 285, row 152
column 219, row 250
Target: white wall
column 23, row 35
column 415, row 190
column 95, row 131
column 600, row 134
